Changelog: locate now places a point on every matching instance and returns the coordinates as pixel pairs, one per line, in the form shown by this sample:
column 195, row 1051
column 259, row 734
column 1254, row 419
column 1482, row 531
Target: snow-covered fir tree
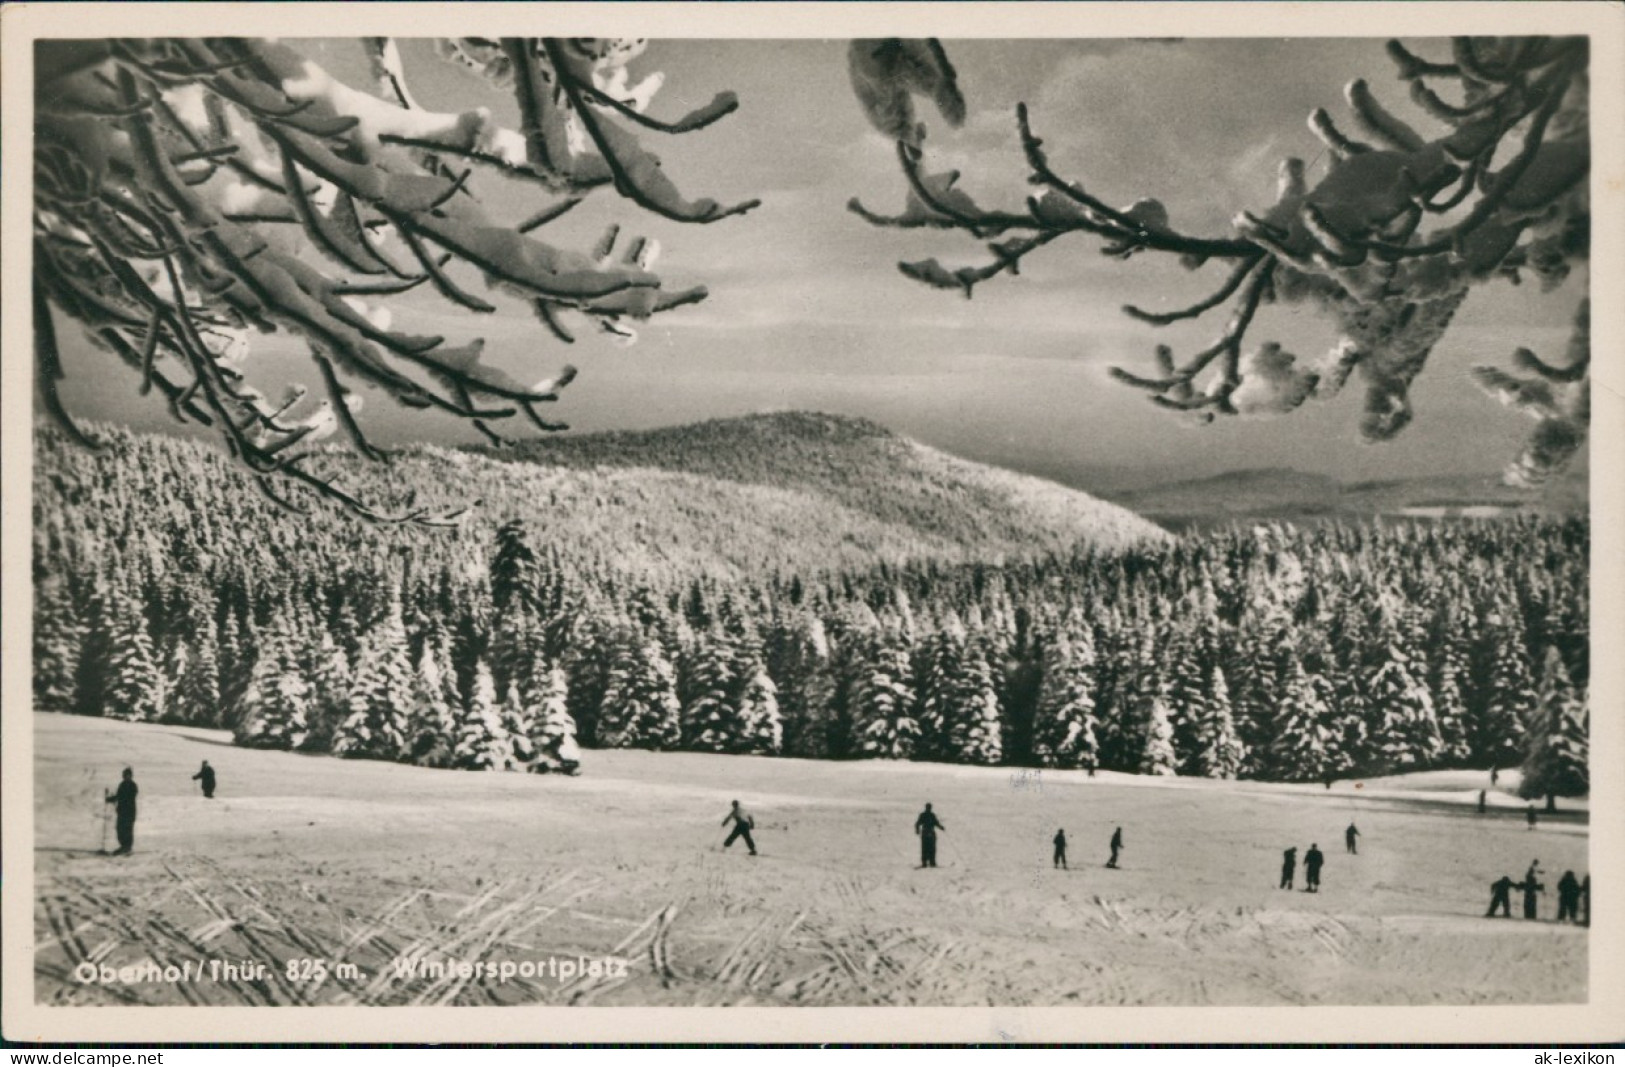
column 1186, row 694
column 800, row 663
column 330, row 683
column 517, row 656
column 1404, row 732
column 1158, row 755
column 1254, row 695
column 58, row 637
column 480, row 742
column 960, row 719
column 518, row 714
column 1125, row 701
column 196, row 690
column 882, row 700
column 1303, row 748
column 515, row 573
column 239, row 642
column 553, row 731
column 432, row 722
column 761, row 731
column 1510, row 697
column 640, row 707
column 275, row 708
column 967, row 716
column 586, row 660
column 1219, row 751
column 1448, row 686
column 1557, row 763
column 711, row 720
column 380, row 691
column 1339, row 670
column 134, row 684
column 1064, row 726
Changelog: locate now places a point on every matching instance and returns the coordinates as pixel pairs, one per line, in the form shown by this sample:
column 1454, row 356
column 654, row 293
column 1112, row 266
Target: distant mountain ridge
column 857, row 489
column 731, row 498
column 1287, row 494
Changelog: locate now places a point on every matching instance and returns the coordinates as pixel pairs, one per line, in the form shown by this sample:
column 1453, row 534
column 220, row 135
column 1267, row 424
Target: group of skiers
column 123, row 801
column 1059, row 858
column 1573, row 896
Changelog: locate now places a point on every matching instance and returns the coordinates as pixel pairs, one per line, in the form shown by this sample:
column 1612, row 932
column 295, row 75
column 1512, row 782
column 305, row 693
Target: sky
column 808, row 311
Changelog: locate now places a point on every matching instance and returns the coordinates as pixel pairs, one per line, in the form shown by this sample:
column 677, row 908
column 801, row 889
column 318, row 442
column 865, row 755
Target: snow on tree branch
column 1386, row 245
column 182, row 184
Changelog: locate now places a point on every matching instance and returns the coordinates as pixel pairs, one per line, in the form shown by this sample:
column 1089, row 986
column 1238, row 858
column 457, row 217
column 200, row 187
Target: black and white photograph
column 706, row 516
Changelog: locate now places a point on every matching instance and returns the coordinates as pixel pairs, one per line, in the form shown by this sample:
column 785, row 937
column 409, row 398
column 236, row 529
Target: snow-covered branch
column 190, row 191
column 1386, row 244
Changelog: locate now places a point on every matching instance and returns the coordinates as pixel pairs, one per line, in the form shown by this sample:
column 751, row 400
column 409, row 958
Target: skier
column 1313, row 860
column 1060, row 849
column 1116, row 846
column 1501, row 897
column 1289, row 867
column 205, row 775
column 1349, row 839
column 1529, row 815
column 1568, row 898
column 926, row 826
column 1481, row 794
column 743, row 825
column 124, row 800
column 1495, row 775
column 1531, row 891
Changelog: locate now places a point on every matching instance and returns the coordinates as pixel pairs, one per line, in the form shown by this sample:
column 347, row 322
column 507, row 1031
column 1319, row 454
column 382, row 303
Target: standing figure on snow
column 1289, row 867
column 1501, row 897
column 1529, row 816
column 926, row 826
column 1568, row 898
column 743, row 825
column 1481, row 795
column 1351, row 838
column 124, row 800
column 1531, row 895
column 1313, row 860
column 1060, row 849
column 205, row 775
column 1117, row 846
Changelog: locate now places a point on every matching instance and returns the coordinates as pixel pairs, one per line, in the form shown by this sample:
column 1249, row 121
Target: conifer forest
column 168, row 590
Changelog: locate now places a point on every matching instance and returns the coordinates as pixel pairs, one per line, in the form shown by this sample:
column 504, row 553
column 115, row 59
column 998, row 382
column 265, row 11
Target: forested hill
column 748, row 497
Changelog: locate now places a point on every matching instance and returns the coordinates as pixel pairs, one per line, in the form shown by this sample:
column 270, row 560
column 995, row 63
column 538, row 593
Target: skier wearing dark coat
column 1117, row 846
column 1351, row 839
column 1289, row 867
column 1568, row 898
column 123, row 800
column 743, row 824
column 205, row 775
column 926, row 826
column 1060, row 849
column 1313, row 860
column 1501, row 897
column 1531, row 893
